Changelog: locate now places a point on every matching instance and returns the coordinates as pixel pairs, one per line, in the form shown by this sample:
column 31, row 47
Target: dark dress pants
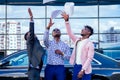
column 55, row 72
column 76, row 70
column 33, row 74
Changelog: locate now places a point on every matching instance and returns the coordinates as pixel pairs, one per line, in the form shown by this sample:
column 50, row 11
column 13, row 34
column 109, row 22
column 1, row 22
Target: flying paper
column 55, row 13
column 69, row 8
column 46, row 1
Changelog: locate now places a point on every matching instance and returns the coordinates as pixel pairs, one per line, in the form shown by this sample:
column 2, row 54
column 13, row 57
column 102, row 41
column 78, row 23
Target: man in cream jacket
column 83, row 51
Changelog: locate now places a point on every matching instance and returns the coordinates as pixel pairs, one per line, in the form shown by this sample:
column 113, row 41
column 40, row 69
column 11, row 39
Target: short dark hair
column 25, row 36
column 90, row 28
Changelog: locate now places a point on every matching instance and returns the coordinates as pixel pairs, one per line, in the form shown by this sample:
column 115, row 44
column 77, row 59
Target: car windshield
column 21, row 60
column 16, row 59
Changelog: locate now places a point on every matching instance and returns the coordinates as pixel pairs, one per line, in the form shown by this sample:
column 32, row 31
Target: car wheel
column 115, row 77
column 68, row 74
column 99, row 77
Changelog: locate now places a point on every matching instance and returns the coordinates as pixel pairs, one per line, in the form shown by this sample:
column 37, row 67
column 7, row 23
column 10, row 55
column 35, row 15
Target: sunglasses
column 56, row 30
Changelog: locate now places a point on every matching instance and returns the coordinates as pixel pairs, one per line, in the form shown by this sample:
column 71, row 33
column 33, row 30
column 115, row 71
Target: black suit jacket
column 35, row 50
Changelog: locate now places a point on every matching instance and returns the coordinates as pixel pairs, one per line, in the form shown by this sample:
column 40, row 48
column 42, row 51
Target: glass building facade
column 105, row 20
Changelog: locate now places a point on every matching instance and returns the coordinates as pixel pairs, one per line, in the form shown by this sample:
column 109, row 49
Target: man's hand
column 50, row 24
column 65, row 16
column 57, row 51
column 80, row 74
column 30, row 14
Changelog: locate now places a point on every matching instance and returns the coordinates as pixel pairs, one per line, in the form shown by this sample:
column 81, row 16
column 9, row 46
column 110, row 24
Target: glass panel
column 2, row 26
column 2, row 42
column 2, row 11
column 40, row 38
column 39, row 26
column 111, row 25
column 2, row 34
column 109, row 41
column 95, row 40
column 111, row 38
column 109, row 45
column 23, row 42
column 22, row 11
column 21, row 26
column 82, row 11
column 110, row 11
column 13, row 42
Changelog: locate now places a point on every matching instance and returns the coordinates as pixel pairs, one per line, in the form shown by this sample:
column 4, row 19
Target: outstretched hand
column 65, row 16
column 30, row 14
column 50, row 24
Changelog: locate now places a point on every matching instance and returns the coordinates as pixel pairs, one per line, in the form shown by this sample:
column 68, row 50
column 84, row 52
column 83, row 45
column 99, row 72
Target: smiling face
column 56, row 33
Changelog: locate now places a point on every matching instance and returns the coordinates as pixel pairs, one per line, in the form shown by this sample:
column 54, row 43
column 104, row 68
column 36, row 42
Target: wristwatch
column 82, row 70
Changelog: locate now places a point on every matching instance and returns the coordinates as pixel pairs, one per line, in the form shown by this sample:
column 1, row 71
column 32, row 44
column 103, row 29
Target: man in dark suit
column 35, row 51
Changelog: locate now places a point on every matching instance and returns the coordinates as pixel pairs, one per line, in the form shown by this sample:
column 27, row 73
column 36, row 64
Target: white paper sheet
column 69, row 8
column 55, row 13
column 46, row 1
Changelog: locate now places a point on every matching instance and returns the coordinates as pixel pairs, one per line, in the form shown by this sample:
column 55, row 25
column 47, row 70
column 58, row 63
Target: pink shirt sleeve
column 71, row 35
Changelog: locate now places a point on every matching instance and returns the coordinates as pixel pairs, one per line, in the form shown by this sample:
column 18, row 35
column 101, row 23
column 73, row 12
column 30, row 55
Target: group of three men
column 58, row 51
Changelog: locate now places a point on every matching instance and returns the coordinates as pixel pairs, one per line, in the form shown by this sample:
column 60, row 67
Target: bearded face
column 85, row 32
column 57, row 35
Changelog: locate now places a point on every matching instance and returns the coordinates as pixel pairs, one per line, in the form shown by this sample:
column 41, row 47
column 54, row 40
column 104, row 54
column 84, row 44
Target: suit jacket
column 35, row 50
column 87, row 51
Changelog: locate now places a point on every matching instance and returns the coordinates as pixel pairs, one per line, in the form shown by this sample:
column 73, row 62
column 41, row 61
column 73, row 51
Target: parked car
column 14, row 67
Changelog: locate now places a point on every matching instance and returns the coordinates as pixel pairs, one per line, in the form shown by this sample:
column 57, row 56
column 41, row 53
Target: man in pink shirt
column 83, row 52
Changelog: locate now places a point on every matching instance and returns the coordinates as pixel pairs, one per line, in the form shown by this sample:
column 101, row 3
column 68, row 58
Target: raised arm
column 31, row 26
column 69, row 31
column 46, row 33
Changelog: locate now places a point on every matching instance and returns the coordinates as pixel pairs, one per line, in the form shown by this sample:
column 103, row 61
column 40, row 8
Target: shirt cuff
column 66, row 21
column 47, row 30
